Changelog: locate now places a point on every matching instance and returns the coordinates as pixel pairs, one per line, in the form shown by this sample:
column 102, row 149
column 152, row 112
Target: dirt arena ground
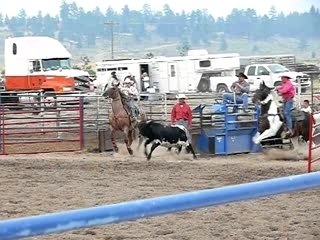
column 41, row 183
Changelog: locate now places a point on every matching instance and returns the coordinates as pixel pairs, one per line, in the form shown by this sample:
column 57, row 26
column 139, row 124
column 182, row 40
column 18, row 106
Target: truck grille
column 82, row 83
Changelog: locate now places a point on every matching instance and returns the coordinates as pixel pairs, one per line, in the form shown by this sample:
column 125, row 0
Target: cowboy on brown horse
column 119, row 118
column 128, row 92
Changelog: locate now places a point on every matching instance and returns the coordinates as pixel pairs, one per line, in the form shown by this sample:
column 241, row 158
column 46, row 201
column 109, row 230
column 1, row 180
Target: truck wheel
column 222, row 89
column 204, row 86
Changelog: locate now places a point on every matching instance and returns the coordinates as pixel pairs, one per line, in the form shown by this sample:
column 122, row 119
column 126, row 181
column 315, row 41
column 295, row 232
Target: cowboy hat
column 241, row 74
column 181, row 96
column 285, row 76
column 127, row 81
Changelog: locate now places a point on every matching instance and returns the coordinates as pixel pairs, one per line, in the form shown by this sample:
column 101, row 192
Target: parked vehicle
column 271, row 63
column 271, row 75
column 283, row 59
column 40, row 63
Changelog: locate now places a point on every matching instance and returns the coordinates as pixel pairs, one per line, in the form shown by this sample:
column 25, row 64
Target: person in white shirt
column 130, row 92
column 145, row 81
column 306, row 106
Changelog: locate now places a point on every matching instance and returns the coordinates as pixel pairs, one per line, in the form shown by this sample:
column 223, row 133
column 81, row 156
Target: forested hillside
column 170, row 33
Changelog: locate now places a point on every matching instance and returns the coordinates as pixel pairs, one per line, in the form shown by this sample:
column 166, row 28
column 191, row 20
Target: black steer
column 168, row 136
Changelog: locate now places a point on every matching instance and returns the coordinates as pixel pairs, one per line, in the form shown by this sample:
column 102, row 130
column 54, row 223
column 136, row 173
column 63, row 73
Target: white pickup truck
column 269, row 73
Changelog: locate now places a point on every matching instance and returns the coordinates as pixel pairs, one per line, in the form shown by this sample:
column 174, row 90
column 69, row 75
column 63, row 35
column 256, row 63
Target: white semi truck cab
column 40, row 63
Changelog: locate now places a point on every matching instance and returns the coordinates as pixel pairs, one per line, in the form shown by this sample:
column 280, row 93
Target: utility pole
column 111, row 25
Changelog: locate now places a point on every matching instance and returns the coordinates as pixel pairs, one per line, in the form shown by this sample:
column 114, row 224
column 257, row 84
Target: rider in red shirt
column 181, row 113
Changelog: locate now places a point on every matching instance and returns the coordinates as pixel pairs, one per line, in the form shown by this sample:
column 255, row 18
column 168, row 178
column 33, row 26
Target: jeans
column 287, row 106
column 185, row 124
column 133, row 108
column 243, row 98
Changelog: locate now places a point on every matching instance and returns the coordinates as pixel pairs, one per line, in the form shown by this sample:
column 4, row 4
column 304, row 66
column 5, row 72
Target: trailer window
column 14, row 49
column 205, row 63
column 101, row 70
column 111, row 69
column 122, row 68
column 172, row 71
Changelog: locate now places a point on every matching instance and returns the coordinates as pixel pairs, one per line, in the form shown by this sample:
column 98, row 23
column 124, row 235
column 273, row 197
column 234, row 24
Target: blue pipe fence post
column 132, row 210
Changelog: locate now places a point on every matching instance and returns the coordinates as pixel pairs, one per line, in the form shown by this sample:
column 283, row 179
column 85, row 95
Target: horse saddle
column 135, row 116
column 297, row 115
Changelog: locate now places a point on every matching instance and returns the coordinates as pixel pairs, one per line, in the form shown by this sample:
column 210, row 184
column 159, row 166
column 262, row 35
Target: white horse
column 270, row 104
column 271, row 123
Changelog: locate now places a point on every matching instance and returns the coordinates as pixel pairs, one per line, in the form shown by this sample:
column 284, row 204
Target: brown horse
column 119, row 119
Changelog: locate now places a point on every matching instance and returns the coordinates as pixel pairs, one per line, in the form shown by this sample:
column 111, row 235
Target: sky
column 215, row 7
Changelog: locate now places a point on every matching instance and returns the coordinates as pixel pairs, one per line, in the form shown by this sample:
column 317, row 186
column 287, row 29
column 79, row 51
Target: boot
column 283, row 135
column 289, row 133
column 132, row 117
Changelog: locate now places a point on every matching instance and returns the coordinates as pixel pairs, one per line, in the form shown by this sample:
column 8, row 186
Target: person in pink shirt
column 288, row 92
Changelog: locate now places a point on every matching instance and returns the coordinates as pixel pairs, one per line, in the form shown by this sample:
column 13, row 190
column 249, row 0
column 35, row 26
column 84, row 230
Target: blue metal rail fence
column 132, row 210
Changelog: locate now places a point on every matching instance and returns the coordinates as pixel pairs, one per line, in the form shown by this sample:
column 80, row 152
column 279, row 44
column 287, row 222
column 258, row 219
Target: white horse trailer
column 192, row 73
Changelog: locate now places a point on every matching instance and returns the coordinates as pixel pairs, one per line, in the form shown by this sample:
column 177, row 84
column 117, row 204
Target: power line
column 111, row 25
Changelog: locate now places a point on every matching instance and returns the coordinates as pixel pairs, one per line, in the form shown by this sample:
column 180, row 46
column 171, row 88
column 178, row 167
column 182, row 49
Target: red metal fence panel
column 42, row 127
column 314, row 142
